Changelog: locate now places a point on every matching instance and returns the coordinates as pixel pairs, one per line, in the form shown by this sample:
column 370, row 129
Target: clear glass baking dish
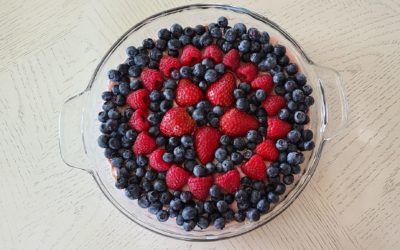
column 79, row 127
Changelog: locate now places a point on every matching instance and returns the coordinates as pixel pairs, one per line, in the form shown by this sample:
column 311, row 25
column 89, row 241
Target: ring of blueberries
column 206, row 124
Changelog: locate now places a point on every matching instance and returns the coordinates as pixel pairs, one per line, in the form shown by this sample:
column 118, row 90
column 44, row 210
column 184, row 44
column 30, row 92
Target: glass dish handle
column 72, row 148
column 334, row 96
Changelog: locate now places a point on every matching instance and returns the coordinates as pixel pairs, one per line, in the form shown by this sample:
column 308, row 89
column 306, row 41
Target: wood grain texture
column 48, row 50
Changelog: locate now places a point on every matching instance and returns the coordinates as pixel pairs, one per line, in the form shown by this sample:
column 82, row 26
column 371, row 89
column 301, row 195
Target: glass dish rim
column 304, row 180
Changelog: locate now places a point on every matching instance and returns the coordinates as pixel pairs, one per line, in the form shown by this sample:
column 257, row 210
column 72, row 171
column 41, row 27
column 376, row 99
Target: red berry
column 138, row 120
column 273, row 104
column 190, row 55
column 267, row 150
column 187, row 93
column 213, row 52
column 156, row 161
column 277, row 128
column 168, row 64
column 152, row 79
column 144, row 144
column 199, row 186
column 232, row 59
column 138, row 99
column 177, row 122
column 246, row 72
column 237, row 123
column 221, row 91
column 263, row 82
column 206, row 140
column 176, row 177
column 229, row 181
column 255, row 168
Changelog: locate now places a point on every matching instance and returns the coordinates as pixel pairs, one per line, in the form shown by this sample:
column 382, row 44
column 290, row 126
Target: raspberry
column 138, row 99
column 144, row 144
column 246, row 72
column 273, row 104
column 277, row 129
column 221, row 91
column 237, row 123
column 229, row 181
column 177, row 122
column 206, row 142
column 176, row 177
column 263, row 82
column 156, row 161
column 190, row 55
column 138, row 120
column 213, row 52
column 187, row 93
column 232, row 59
column 255, row 168
column 152, row 79
column 199, row 186
column 267, row 150
column 168, row 64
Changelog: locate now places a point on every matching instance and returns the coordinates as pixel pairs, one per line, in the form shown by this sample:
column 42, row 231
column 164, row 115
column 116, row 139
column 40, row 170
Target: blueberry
column 114, row 75
column 239, row 143
column 240, row 28
column 309, row 100
column 255, row 196
column 131, row 51
column 284, row 114
column 187, row 141
column 272, row 171
column 143, row 202
column 296, row 169
column 285, row 168
column 199, row 171
column 227, row 165
column 215, row 192
column 102, row 141
column 115, row 89
column 203, row 222
column 252, row 214
column 189, row 213
column 280, row 188
column 236, row 158
column 263, row 206
column 247, row 154
column 255, row 46
column 254, row 34
column 292, row 105
column 298, row 95
column 199, row 70
column 256, row 58
column 155, row 207
column 179, row 220
column 261, row 95
column 107, row 96
column 189, row 225
column 299, row 117
column 225, row 140
column 290, row 86
column 241, row 196
column 220, row 154
column 240, row 216
column 307, row 134
column 211, row 75
column 179, row 151
column 245, row 87
column 199, row 29
column 186, row 196
column 203, row 85
column 174, row 45
column 165, row 105
column 291, row 69
column 205, row 39
column 198, row 115
column 288, row 179
column 189, row 31
column 244, row 46
column 133, row 191
column 294, row 136
column 219, row 223
column 114, row 143
column 184, row 39
column 176, row 30
column 216, row 32
column 309, row 145
column 242, row 104
column 295, row 158
column 169, row 94
column 102, row 116
column 264, row 37
column 185, row 72
column 164, row 34
column 141, row 60
column 220, row 68
column 279, row 78
column 279, row 50
column 222, row 21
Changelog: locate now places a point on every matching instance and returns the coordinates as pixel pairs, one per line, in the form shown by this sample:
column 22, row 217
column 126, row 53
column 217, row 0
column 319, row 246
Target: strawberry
column 213, row 52
column 232, row 59
column 138, row 99
column 176, row 177
column 237, row 123
column 144, row 144
column 246, row 72
column 273, row 104
column 138, row 120
column 190, row 55
column 167, row 64
column 229, row 181
column 187, row 93
column 206, row 141
column 221, row 91
column 177, row 122
column 199, row 186
column 255, row 168
column 267, row 150
column 263, row 82
column 277, row 128
column 156, row 161
column 152, row 79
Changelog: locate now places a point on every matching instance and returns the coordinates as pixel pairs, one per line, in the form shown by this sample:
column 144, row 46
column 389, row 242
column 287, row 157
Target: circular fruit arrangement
column 206, row 124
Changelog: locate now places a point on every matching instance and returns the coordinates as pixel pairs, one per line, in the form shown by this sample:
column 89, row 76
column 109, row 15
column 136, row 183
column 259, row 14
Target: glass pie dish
column 79, row 127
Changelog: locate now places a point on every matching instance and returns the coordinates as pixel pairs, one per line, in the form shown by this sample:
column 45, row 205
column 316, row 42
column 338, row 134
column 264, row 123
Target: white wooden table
column 48, row 51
